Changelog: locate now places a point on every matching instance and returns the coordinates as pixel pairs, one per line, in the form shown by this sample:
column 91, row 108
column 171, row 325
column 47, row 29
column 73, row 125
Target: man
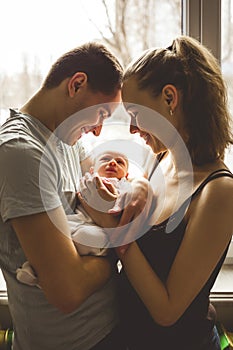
column 75, row 308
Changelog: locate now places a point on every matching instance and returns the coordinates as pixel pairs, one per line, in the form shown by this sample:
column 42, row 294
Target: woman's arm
column 208, row 232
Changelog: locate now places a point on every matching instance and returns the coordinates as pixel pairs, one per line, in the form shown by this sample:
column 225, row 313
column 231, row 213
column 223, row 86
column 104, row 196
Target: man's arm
column 66, row 278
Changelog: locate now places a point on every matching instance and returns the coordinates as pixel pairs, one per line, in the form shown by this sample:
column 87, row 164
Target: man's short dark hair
column 103, row 70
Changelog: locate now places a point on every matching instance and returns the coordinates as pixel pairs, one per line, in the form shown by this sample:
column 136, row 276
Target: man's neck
column 42, row 107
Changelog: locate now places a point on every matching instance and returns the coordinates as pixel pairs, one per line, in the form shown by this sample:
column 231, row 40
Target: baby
column 88, row 238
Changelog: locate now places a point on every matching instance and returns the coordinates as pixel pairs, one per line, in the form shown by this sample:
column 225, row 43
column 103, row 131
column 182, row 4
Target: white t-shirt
column 40, row 172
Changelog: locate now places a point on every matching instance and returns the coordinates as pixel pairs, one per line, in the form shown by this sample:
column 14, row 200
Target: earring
column 171, row 112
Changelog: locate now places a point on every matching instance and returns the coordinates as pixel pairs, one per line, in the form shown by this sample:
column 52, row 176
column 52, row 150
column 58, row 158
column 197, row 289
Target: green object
column 224, row 343
column 9, row 339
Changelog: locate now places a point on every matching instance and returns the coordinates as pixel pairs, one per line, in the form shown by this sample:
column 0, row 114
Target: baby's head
column 112, row 164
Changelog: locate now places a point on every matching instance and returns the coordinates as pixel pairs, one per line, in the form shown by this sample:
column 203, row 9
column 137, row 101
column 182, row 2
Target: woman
column 167, row 277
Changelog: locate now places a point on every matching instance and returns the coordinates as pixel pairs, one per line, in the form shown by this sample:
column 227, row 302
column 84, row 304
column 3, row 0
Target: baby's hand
column 97, row 193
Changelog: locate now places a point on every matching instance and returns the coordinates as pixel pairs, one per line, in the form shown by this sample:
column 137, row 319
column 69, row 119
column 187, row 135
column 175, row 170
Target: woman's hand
column 136, row 207
column 124, row 217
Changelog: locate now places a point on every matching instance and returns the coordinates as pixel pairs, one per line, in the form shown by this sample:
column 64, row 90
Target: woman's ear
column 78, row 80
column 170, row 95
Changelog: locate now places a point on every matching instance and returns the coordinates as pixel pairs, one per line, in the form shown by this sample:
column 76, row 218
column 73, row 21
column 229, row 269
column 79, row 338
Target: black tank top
column 196, row 324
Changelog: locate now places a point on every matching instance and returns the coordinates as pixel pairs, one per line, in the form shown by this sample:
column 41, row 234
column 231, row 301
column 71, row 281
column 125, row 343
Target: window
column 32, row 42
column 39, row 32
column 227, row 64
column 2, row 283
column 211, row 22
column 227, row 60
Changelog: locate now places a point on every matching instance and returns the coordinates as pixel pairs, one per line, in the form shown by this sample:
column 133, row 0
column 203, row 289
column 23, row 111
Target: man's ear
column 78, row 80
column 170, row 95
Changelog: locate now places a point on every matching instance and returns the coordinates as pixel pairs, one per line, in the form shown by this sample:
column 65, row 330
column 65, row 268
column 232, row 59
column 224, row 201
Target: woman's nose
column 97, row 130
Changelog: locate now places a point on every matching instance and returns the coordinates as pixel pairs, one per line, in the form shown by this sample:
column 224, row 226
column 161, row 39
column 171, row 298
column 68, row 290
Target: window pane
column 2, row 282
column 227, row 59
column 37, row 32
column 138, row 25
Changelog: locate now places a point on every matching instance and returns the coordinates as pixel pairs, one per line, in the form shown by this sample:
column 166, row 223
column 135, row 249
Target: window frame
column 201, row 23
column 205, row 25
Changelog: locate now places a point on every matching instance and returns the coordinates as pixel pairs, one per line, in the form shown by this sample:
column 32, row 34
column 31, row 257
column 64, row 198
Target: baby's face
column 112, row 165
